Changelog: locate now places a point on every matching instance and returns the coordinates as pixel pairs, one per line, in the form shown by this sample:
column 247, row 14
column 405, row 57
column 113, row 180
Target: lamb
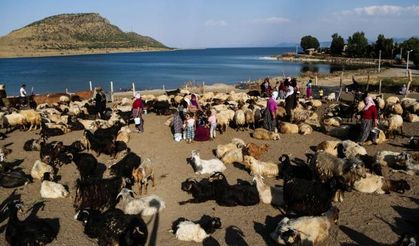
column 264, row 134
column 262, row 168
column 391, row 100
column 146, row 206
column 233, row 156
column 40, row 168
column 288, row 128
column 50, row 189
column 328, row 146
column 395, row 122
column 142, row 174
column 309, row 230
column 206, row 166
column 412, row 118
column 240, row 119
column 196, row 231
column 377, row 184
column 332, row 122
column 255, row 150
column 269, row 194
column 304, row 129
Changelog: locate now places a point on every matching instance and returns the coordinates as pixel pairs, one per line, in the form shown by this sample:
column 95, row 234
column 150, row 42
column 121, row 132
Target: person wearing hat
column 100, row 102
column 137, row 112
column 23, row 94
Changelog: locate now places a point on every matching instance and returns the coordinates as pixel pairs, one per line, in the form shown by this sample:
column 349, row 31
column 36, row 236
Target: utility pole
column 379, row 61
column 407, row 62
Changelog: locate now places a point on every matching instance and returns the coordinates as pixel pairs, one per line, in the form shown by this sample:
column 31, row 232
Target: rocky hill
column 68, row 34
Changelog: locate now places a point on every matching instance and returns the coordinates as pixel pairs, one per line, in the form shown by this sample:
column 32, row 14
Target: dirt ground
column 365, row 219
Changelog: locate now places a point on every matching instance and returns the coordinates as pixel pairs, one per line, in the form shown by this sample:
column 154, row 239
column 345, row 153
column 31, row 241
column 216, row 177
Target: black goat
column 217, row 188
column 108, row 133
column 161, row 108
column 53, row 153
column 124, row 167
column 253, row 93
column 100, row 145
column 311, row 198
column 86, row 164
column 289, row 171
column 173, row 92
column 113, row 227
column 33, row 144
column 31, row 231
column 98, row 194
column 13, row 178
column 47, row 132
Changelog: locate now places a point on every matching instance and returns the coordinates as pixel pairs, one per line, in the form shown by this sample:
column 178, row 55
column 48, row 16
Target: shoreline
column 335, row 60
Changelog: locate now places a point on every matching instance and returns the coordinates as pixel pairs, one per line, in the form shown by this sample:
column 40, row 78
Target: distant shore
column 53, row 53
column 321, row 58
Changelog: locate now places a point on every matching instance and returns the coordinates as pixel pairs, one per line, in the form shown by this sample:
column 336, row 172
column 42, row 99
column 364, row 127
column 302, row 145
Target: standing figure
column 369, row 119
column 212, row 120
column 100, row 102
column 189, row 127
column 269, row 119
column 289, row 101
column 23, row 95
column 137, row 112
column 309, row 89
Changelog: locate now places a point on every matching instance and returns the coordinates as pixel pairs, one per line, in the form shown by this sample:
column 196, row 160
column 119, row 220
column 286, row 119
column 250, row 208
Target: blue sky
column 230, row 23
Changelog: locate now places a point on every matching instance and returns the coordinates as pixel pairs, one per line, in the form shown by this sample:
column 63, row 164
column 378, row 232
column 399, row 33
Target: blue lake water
column 147, row 69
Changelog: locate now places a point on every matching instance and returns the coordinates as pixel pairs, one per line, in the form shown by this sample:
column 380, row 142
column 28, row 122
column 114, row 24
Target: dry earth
column 365, row 219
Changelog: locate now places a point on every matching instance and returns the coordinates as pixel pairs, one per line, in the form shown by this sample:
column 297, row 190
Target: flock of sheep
column 113, row 214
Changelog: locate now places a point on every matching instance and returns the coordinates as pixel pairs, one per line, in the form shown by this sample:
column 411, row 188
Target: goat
column 142, row 174
column 146, row 206
column 196, row 231
column 269, row 194
column 377, row 184
column 50, row 189
column 262, row 168
column 125, row 166
column 100, row 145
column 205, row 166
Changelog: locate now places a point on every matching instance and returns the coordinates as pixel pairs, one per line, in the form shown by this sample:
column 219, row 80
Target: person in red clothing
column 137, row 112
column 369, row 118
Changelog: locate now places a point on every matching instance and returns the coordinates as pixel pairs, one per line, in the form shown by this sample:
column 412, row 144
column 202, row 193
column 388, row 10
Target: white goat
column 262, row 168
column 206, row 166
column 269, row 194
column 146, row 206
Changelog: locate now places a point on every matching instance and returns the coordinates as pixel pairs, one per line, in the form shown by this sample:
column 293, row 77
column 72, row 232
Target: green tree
column 357, row 45
column 386, row 46
column 308, row 42
column 411, row 44
column 337, row 45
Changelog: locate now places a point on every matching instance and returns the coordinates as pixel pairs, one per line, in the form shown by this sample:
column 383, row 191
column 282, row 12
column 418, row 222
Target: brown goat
column 255, row 150
column 142, row 174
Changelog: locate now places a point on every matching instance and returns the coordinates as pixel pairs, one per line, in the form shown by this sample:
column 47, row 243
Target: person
column 23, row 94
column 321, row 93
column 269, row 118
column 309, row 89
column 100, row 102
column 194, row 104
column 265, row 88
column 281, row 89
column 212, row 119
column 137, row 112
column 202, row 131
column 189, row 127
column 369, row 119
column 289, row 100
column 177, row 126
column 403, row 91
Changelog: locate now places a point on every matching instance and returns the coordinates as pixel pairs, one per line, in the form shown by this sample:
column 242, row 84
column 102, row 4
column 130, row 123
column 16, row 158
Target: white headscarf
column 368, row 103
column 137, row 95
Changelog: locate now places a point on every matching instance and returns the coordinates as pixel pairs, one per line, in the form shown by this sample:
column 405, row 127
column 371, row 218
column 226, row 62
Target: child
column 177, row 126
column 213, row 123
column 321, row 93
column 190, row 127
column 309, row 89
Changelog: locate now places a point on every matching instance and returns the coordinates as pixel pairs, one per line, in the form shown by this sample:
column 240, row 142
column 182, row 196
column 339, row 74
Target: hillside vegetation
column 73, row 34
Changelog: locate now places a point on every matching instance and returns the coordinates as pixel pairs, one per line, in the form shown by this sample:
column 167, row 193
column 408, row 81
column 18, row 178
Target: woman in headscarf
column 369, row 118
column 100, row 102
column 290, row 100
column 194, row 104
column 137, row 112
column 269, row 118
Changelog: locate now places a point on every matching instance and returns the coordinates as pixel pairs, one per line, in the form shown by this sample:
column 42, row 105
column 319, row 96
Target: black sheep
column 98, row 194
column 100, row 145
column 32, row 230
column 113, row 227
column 311, row 198
column 124, row 167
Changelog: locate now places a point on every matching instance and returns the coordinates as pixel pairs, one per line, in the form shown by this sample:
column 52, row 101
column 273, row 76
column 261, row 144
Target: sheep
column 281, row 112
column 10, row 121
column 238, row 142
column 302, row 115
column 332, row 122
column 205, row 166
column 264, row 134
column 224, row 148
column 255, row 150
column 142, row 174
column 377, row 184
column 262, row 168
column 223, row 120
column 340, row 132
column 328, row 146
column 288, row 128
column 196, row 231
column 146, row 206
column 113, row 227
column 50, row 189
column 380, row 138
column 123, row 134
column 380, row 103
column 240, row 119
column 304, row 129
column 233, row 156
column 311, row 198
column 397, row 109
column 331, row 97
column 269, row 194
column 412, row 117
column 39, row 168
column 90, row 125
column 315, row 103
column 125, row 102
column 391, row 100
column 250, row 118
column 98, row 194
column 351, row 149
column 32, row 118
column 307, row 230
column 407, row 163
column 395, row 122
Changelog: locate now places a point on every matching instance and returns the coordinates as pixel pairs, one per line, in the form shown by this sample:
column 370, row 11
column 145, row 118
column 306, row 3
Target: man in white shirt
column 23, row 94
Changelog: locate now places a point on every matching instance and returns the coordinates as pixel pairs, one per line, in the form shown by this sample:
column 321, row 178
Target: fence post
column 133, row 89
column 111, row 91
column 409, row 72
column 340, row 86
column 90, row 85
column 379, row 87
column 316, row 80
column 164, row 88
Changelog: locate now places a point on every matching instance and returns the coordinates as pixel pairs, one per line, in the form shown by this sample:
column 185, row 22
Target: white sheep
column 378, row 184
column 39, row 168
column 224, row 148
column 397, row 109
column 146, row 206
column 328, row 146
column 412, row 118
column 240, row 119
column 12, row 120
column 304, row 129
column 331, row 96
column 395, row 122
column 206, row 166
column 306, row 230
column 269, row 194
column 263, row 134
column 262, row 168
column 288, row 128
column 123, row 134
column 52, row 190
column 250, row 117
column 391, row 100
column 189, row 231
column 335, row 121
column 232, row 156
column 32, row 118
column 352, row 149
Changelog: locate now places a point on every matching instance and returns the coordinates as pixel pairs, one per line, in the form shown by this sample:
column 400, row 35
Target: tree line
column 358, row 46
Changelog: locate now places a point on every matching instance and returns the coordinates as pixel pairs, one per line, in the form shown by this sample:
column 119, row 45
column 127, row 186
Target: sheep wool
column 53, row 190
column 189, row 231
column 39, row 168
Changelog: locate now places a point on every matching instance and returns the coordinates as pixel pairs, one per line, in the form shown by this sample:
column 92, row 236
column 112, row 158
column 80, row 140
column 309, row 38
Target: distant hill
column 68, row 34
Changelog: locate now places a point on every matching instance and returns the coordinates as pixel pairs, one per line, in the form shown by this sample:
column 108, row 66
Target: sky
column 230, row 23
